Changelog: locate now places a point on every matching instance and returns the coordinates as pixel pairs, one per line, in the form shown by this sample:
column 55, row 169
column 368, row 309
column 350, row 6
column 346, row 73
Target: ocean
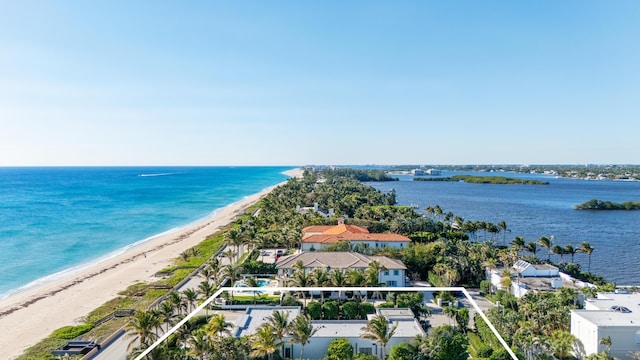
column 55, row 220
column 533, row 211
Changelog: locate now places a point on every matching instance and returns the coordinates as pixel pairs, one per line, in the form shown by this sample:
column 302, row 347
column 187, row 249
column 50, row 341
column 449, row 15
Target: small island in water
column 594, row 204
column 484, row 180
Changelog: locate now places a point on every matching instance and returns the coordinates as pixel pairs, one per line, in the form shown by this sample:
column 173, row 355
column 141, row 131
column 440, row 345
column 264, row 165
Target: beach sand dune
column 29, row 316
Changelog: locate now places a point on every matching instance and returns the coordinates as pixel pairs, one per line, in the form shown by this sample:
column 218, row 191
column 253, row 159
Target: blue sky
column 330, row 82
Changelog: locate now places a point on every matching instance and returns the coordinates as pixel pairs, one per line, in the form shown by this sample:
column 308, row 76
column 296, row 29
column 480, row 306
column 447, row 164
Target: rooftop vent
column 621, row 309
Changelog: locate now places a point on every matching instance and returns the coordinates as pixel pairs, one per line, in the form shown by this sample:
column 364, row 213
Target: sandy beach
column 29, row 316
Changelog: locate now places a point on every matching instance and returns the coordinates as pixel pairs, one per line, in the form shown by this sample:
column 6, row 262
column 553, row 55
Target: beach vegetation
column 496, row 180
column 594, row 204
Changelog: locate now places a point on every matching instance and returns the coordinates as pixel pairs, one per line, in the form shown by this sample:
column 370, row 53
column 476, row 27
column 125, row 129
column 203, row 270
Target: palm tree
column 301, row 279
column 191, row 298
column 301, row 331
column 606, row 341
column 378, row 330
column 532, row 248
column 206, row 290
column 176, row 301
column 562, row 343
column 143, row 326
column 502, row 225
column 337, row 279
column 320, row 278
column 545, row 243
column 263, row 342
column 586, row 248
column 518, row 242
column 229, row 254
column 253, row 282
column 558, row 250
column 570, row 250
column 199, row 344
column 233, row 238
column 167, row 314
column 279, row 323
column 218, row 326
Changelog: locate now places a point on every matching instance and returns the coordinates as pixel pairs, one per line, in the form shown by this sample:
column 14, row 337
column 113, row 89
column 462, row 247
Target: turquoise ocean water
column 55, row 220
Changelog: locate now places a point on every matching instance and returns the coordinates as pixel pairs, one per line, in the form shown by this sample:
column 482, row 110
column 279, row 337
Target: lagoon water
column 55, row 219
column 536, row 210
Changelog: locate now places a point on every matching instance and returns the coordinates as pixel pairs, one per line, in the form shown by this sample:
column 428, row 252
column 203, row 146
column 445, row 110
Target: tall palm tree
column 545, row 243
column 279, row 323
column 378, row 330
column 206, row 290
column 218, row 326
column 200, row 345
column 301, row 279
column 143, row 326
column 558, row 250
column 177, row 302
column 263, row 342
column 253, row 282
column 518, row 242
column 301, row 331
column 502, row 225
column 337, row 279
column 167, row 313
column 586, row 248
column 320, row 278
column 570, row 250
column 190, row 298
column 532, row 248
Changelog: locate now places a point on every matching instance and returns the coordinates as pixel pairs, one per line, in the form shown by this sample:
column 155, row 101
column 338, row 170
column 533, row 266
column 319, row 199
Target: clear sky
column 106, row 82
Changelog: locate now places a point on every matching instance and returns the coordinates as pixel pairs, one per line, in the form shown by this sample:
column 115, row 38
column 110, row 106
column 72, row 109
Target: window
column 392, row 283
column 396, row 272
column 365, row 350
column 386, row 273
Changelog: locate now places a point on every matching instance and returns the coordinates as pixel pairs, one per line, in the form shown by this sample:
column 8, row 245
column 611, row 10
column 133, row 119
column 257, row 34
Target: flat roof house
column 328, row 330
column 610, row 314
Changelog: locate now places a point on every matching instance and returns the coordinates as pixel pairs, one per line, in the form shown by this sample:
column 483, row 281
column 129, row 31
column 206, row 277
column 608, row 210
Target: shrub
column 314, row 310
column 350, row 310
column 339, row 349
column 289, row 300
column 485, row 351
column 330, row 310
column 71, row 332
column 485, row 287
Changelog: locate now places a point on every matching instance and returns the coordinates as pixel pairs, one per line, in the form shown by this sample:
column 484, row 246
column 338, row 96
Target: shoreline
column 27, row 315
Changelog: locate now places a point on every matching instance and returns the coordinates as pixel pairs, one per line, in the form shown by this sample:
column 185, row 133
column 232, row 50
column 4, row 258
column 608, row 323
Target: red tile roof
column 342, row 232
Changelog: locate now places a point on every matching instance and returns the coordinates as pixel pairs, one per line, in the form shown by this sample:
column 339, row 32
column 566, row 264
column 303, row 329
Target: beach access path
column 29, row 316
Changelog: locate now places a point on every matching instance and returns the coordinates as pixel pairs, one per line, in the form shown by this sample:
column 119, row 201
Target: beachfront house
column 317, row 237
column 393, row 271
column 328, row 330
column 614, row 315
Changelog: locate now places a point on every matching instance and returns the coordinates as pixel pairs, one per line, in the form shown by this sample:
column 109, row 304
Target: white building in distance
column 611, row 314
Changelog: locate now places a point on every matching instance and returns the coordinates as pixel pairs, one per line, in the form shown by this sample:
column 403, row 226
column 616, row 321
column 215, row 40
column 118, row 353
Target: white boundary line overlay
column 293, row 289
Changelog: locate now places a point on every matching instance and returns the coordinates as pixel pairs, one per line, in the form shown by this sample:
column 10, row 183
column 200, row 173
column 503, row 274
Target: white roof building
column 328, row 330
column 614, row 315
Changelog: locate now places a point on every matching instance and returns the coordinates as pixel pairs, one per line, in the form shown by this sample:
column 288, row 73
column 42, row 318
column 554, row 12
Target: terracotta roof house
column 317, row 237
